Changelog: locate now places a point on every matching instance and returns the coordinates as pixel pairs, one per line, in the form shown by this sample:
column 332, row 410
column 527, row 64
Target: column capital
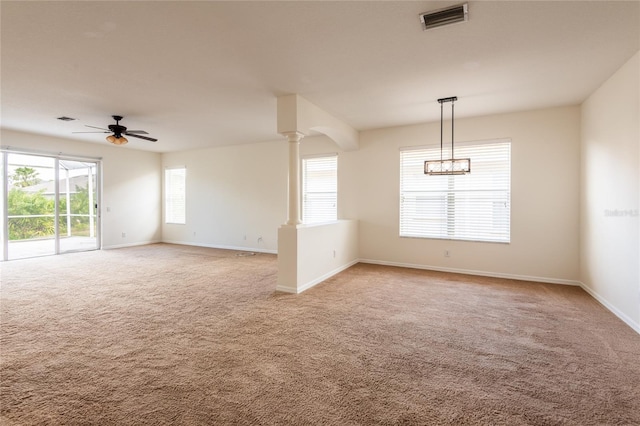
column 293, row 136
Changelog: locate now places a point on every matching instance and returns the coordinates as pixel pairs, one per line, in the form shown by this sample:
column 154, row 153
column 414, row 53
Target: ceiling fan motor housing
column 117, row 129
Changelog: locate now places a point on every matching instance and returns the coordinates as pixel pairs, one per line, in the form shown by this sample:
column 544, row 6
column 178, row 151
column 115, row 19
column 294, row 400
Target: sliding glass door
column 31, row 208
column 77, row 205
column 50, row 205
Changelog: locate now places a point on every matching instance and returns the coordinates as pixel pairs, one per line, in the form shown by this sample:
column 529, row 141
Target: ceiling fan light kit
column 452, row 166
column 117, row 140
column 118, row 131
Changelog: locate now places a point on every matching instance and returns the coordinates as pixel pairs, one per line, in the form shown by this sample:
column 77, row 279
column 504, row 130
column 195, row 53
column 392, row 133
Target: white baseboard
column 141, row 243
column 630, row 322
column 327, row 276
column 223, row 247
column 474, row 272
column 625, row 318
column 316, row 281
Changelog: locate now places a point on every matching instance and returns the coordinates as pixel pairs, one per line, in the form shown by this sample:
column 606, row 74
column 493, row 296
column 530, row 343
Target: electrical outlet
column 124, row 235
column 334, row 254
column 447, row 253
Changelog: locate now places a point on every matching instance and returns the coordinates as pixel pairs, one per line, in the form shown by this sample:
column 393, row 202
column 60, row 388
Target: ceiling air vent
column 446, row 16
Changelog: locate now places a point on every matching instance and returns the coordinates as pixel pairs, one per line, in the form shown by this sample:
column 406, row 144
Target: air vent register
column 446, row 16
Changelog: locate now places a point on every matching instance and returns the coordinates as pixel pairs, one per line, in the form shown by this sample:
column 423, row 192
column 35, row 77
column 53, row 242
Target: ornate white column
column 294, row 139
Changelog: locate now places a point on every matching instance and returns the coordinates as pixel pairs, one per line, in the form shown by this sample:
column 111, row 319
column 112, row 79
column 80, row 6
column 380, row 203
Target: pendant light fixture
column 452, row 166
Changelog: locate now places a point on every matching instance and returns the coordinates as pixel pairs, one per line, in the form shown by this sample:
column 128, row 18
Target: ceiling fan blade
column 140, row 132
column 93, row 132
column 94, row 127
column 140, row 137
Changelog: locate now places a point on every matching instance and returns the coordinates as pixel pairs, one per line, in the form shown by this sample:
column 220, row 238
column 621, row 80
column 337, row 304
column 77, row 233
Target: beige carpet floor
column 166, row 334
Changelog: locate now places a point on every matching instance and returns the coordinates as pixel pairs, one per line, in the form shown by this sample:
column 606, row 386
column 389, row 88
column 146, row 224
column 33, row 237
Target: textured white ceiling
column 200, row 74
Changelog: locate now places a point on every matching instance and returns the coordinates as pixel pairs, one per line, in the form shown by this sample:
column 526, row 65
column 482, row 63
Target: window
column 473, row 207
column 319, row 189
column 175, row 198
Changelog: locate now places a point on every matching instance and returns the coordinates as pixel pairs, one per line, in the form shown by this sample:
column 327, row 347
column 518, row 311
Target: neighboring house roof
column 48, row 187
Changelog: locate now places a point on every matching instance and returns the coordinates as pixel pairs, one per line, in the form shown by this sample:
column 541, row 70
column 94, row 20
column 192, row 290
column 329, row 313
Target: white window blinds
column 175, row 195
column 472, row 207
column 319, row 189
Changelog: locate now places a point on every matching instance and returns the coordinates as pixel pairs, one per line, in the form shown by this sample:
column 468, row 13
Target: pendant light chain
column 452, row 102
column 441, row 133
column 452, row 166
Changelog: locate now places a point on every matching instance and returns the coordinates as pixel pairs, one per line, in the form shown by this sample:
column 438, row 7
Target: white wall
column 239, row 191
column 131, row 185
column 233, row 192
column 544, row 198
column 570, row 167
column 242, row 190
column 610, row 193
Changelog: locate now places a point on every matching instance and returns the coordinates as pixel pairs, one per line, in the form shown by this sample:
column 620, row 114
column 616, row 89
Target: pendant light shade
column 452, row 166
column 117, row 140
column 459, row 166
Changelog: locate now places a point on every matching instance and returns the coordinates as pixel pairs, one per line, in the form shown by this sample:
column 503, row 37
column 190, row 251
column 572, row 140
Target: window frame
column 484, row 194
column 169, row 217
column 319, row 217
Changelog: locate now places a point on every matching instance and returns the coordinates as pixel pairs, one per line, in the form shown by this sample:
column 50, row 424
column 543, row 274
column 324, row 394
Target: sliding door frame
column 95, row 201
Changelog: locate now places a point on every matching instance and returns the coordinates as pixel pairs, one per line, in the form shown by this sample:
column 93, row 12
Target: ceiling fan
column 118, row 131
